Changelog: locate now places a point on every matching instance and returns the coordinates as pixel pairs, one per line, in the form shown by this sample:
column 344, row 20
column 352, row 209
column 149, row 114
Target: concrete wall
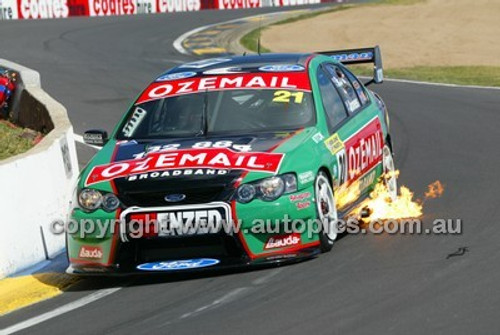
column 35, row 187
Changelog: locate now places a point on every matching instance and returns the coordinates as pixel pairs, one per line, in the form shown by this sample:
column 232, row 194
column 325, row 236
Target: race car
column 232, row 161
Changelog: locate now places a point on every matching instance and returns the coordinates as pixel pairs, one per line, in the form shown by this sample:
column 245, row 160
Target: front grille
column 193, row 196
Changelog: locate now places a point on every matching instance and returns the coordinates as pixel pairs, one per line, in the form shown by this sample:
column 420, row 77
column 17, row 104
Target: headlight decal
column 268, row 189
column 91, row 199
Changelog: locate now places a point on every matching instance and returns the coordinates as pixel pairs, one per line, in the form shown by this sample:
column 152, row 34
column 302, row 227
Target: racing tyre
column 326, row 210
column 390, row 177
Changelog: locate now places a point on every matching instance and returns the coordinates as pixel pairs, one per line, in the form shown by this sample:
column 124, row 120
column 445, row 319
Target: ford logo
column 174, row 197
column 185, row 264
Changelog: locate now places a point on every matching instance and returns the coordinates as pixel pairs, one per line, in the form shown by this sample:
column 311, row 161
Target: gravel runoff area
column 425, row 33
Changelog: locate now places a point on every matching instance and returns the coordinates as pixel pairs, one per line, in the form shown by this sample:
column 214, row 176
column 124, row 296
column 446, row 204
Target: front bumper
column 107, row 253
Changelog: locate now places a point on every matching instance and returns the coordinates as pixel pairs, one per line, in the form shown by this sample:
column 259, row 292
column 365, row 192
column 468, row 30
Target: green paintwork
column 302, row 155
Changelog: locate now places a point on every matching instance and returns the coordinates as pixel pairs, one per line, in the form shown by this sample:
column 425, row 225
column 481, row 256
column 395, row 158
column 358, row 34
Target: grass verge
column 249, row 41
column 461, row 75
column 11, row 142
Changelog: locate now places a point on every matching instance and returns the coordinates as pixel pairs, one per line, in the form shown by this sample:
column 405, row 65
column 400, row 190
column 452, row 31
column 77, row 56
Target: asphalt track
column 384, row 284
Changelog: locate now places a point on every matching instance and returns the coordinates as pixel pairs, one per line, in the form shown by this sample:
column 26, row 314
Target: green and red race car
column 232, row 161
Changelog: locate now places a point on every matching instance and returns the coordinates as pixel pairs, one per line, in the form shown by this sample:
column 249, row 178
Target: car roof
column 245, row 62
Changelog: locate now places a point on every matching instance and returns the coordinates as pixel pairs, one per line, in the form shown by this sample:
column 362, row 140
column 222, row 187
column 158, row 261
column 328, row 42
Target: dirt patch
column 429, row 33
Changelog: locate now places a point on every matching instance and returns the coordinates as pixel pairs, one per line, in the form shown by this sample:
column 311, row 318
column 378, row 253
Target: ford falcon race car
column 232, row 161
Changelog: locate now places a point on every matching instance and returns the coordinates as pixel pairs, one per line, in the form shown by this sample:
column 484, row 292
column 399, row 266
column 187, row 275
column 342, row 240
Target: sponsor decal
column 355, row 56
column 175, row 197
column 224, row 70
column 176, row 76
column 191, row 222
column 204, row 63
column 177, row 173
column 134, row 122
column 185, row 264
column 43, row 9
column 300, row 196
column 296, row 2
column 318, row 137
column 235, row 4
column 282, row 241
column 334, row 144
column 363, row 151
column 169, row 6
column 353, row 105
column 197, row 145
column 303, row 205
column 145, row 7
column 171, row 221
column 367, row 181
column 306, row 177
column 8, row 10
column 111, row 7
column 292, row 80
column 278, row 257
column 210, row 158
column 90, row 252
column 78, row 7
column 281, row 68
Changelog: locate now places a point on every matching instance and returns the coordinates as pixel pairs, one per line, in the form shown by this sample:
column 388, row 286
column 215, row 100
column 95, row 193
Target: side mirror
column 96, row 137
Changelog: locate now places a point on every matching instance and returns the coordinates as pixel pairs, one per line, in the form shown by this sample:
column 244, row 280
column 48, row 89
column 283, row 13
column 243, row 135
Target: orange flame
column 434, row 190
column 346, row 195
column 382, row 207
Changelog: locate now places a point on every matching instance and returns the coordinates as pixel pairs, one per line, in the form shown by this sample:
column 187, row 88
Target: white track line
column 428, row 83
column 406, row 81
column 178, row 41
column 59, row 311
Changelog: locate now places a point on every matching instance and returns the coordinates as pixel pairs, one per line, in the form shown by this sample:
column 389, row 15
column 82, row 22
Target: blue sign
column 281, row 68
column 185, row 264
column 176, row 76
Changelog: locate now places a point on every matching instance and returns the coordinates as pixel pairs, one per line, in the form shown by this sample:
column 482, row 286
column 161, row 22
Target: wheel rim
column 390, row 178
column 327, row 211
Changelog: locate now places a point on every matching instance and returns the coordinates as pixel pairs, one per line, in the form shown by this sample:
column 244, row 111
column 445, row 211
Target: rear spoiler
column 360, row 56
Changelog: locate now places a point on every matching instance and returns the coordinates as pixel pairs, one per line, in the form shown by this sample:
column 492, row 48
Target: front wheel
column 326, row 212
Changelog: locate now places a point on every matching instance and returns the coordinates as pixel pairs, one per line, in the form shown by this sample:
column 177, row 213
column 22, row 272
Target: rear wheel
column 389, row 178
column 326, row 211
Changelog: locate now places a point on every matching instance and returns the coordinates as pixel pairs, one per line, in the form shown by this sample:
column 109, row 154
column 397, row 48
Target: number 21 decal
column 285, row 96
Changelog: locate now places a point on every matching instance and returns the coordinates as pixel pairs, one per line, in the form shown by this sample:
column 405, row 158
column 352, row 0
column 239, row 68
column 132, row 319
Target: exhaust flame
column 434, row 190
column 382, row 207
column 347, row 195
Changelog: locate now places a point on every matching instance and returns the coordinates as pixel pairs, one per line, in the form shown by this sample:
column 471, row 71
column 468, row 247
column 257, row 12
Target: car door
column 356, row 140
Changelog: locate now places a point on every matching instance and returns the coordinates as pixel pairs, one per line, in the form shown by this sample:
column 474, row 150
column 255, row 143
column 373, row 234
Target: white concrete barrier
column 36, row 186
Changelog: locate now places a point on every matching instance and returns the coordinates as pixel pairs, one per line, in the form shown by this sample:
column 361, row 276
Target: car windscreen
column 214, row 110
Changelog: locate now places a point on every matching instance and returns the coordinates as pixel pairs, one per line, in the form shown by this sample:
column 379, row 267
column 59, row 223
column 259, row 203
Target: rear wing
column 360, row 56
